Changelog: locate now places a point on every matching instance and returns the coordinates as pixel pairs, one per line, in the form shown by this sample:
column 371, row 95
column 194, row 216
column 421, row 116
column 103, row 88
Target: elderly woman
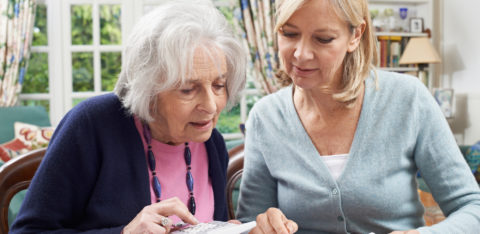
column 118, row 162
column 356, row 137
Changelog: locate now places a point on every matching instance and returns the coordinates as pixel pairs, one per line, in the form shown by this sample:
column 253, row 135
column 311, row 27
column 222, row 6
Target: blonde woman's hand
column 405, row 232
column 274, row 221
column 154, row 218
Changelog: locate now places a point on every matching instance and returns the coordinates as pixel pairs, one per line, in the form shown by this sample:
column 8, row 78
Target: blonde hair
column 357, row 64
column 159, row 53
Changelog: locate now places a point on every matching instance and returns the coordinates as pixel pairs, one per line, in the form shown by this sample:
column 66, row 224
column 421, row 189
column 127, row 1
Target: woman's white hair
column 159, row 53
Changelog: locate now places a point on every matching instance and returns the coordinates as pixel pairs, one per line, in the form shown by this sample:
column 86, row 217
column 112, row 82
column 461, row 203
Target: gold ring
column 164, row 221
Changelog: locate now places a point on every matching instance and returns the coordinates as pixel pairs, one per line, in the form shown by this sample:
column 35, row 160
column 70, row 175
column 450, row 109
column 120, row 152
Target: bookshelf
column 401, row 34
column 393, row 30
column 413, row 2
column 391, row 46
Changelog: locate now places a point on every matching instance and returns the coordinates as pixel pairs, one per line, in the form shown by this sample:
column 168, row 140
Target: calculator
column 216, row 227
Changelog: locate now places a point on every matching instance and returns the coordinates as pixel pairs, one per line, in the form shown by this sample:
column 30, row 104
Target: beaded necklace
column 157, row 189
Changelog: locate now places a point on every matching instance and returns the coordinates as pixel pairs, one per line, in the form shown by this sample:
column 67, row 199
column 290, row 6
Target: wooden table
column 433, row 214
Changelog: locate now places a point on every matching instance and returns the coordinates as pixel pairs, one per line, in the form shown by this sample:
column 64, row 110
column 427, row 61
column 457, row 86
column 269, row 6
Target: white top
column 335, row 164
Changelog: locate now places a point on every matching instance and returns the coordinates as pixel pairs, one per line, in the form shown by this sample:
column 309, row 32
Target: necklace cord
column 157, row 188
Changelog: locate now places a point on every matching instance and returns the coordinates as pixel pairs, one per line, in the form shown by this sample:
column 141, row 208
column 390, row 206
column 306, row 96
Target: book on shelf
column 390, row 50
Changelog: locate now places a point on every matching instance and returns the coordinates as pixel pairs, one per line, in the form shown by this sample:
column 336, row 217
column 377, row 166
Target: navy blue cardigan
column 94, row 176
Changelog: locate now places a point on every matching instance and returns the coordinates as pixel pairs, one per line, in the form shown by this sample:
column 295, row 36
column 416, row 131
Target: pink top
column 172, row 170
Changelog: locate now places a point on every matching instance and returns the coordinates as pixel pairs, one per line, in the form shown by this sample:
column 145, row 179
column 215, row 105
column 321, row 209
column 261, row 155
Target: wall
column 461, row 65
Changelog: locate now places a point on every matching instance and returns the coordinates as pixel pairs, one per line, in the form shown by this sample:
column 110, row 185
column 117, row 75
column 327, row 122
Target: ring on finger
column 164, row 221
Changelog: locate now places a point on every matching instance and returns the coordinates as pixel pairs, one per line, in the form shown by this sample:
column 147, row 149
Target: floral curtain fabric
column 256, row 21
column 16, row 32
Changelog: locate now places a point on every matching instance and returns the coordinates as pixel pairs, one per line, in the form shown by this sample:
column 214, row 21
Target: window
column 35, row 90
column 93, row 47
column 77, row 53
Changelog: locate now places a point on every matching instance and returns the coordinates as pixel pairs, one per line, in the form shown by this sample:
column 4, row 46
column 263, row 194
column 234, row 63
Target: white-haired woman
column 356, row 138
column 126, row 161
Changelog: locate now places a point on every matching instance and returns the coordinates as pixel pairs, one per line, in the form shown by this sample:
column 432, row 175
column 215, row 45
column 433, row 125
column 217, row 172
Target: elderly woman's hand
column 274, row 221
column 149, row 220
column 234, row 221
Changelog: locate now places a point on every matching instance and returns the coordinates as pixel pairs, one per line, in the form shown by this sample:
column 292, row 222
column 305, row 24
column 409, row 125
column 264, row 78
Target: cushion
column 33, row 136
column 464, row 149
column 27, row 137
column 12, row 149
column 36, row 115
column 473, row 157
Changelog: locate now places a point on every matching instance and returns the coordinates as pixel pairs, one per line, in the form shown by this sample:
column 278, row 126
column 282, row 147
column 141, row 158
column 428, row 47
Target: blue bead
column 189, row 181
column 192, row 206
column 146, row 133
column 188, row 156
column 156, row 187
column 151, row 160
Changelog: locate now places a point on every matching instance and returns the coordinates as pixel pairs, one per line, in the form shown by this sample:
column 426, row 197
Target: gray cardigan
column 401, row 130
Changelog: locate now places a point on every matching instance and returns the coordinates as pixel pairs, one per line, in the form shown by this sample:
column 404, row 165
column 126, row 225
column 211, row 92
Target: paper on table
column 217, row 227
column 235, row 229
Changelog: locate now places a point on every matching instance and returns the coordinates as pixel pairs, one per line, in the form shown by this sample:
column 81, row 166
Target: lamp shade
column 419, row 50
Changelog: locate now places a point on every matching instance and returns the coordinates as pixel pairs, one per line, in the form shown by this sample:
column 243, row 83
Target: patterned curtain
column 256, row 21
column 16, row 32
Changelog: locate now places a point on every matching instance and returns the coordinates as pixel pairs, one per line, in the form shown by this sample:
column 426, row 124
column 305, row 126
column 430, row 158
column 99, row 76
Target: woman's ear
column 356, row 37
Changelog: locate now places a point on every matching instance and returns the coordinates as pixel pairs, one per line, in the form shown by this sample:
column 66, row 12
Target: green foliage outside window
column 40, row 27
column 228, row 121
column 81, row 24
column 110, row 25
column 36, row 78
column 82, row 71
column 75, row 101
column 111, row 67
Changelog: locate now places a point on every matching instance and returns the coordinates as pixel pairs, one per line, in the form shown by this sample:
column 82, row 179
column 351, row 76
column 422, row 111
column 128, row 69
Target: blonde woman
column 338, row 150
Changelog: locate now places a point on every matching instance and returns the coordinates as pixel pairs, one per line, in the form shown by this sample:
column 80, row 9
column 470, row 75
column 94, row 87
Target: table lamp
column 420, row 51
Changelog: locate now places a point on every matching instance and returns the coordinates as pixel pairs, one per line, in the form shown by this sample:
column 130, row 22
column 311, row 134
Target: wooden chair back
column 15, row 176
column 234, row 174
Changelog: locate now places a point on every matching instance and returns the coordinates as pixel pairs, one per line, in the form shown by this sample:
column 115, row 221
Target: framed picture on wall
column 416, row 25
column 444, row 98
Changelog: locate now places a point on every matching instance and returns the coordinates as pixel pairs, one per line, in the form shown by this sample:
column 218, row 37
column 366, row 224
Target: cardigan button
column 340, row 219
column 334, row 191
